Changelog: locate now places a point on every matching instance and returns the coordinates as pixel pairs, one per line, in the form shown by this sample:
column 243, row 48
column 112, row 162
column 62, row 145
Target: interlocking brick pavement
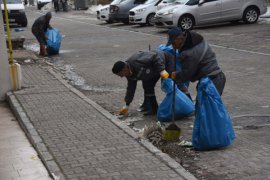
column 83, row 142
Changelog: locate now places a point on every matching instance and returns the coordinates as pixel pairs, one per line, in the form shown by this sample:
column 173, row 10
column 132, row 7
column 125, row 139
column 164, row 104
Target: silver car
column 190, row 13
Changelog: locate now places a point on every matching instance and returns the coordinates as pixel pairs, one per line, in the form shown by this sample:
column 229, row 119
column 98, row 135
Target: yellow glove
column 173, row 75
column 122, row 111
column 164, row 74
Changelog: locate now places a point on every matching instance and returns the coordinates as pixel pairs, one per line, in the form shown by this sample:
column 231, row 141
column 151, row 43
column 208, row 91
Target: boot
column 43, row 51
column 145, row 105
column 154, row 106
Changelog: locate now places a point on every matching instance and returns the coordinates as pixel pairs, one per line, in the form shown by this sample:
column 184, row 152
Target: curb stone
column 33, row 136
column 146, row 144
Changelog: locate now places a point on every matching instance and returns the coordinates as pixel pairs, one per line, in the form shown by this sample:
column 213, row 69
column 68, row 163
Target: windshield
column 181, row 1
column 12, row 1
column 150, row 1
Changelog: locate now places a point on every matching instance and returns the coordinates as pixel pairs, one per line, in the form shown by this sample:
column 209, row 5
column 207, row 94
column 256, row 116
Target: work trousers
column 149, row 86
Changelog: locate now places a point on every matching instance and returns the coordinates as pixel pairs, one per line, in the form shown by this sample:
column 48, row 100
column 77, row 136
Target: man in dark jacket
column 197, row 58
column 39, row 29
column 147, row 66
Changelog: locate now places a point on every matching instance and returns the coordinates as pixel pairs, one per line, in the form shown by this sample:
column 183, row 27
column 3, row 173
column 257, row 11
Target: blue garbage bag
column 54, row 41
column 165, row 48
column 183, row 105
column 212, row 126
column 170, row 49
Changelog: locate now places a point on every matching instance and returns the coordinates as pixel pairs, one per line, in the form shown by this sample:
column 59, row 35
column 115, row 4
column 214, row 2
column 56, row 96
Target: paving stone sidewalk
column 77, row 139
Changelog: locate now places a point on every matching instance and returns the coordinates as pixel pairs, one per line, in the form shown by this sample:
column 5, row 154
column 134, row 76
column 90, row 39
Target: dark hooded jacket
column 197, row 59
column 145, row 66
column 41, row 25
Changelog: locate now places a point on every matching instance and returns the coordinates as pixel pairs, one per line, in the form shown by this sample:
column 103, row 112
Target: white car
column 16, row 12
column 144, row 14
column 190, row 13
column 103, row 13
column 41, row 3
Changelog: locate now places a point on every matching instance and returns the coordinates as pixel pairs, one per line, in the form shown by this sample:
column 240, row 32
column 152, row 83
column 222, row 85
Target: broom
column 172, row 132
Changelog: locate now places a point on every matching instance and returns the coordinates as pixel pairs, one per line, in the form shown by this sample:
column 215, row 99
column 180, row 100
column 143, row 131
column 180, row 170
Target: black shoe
column 154, row 106
column 150, row 113
column 145, row 105
column 142, row 109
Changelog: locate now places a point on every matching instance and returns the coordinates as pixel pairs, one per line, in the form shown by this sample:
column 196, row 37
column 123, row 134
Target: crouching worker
column 197, row 58
column 39, row 29
column 147, row 66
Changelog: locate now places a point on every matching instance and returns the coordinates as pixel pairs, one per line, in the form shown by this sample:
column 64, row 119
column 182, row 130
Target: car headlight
column 169, row 11
column 141, row 10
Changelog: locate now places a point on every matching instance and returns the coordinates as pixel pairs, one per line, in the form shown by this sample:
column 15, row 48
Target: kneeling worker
column 147, row 66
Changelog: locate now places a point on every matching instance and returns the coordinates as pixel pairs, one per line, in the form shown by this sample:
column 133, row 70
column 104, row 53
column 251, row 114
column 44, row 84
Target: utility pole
column 5, row 83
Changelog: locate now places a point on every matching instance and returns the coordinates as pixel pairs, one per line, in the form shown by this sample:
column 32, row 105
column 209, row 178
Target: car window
column 168, row 1
column 181, row 1
column 206, row 1
column 192, row 2
column 150, row 1
column 139, row 1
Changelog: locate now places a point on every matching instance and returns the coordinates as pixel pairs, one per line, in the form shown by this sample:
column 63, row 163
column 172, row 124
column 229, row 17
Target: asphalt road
column 90, row 48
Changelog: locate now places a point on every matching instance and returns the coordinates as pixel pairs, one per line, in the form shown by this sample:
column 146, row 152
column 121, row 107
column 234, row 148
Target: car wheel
column 251, row 15
column 186, row 22
column 109, row 21
column 24, row 23
column 39, row 6
column 125, row 21
column 150, row 19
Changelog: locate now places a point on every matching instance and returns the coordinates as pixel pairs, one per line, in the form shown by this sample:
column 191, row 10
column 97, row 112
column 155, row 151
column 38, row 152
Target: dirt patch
column 181, row 152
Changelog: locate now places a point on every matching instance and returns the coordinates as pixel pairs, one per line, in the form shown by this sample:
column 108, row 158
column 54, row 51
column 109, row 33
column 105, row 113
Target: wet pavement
column 85, row 61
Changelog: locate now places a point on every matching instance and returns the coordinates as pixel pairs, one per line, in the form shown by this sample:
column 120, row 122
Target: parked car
column 103, row 11
column 120, row 12
column 165, row 3
column 41, row 3
column 190, row 13
column 16, row 12
column 144, row 13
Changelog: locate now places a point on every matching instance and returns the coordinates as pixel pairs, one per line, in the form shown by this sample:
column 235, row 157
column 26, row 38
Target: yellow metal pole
column 8, row 33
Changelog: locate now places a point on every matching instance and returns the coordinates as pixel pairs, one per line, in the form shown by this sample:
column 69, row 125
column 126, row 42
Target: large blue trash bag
column 54, row 41
column 183, row 105
column 212, row 126
column 165, row 48
column 170, row 49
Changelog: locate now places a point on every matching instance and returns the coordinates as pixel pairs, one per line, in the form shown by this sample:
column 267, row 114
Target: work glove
column 164, row 74
column 122, row 111
column 173, row 75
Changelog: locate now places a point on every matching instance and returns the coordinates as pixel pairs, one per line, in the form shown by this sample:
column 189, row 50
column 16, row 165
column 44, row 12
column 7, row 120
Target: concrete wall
column 5, row 83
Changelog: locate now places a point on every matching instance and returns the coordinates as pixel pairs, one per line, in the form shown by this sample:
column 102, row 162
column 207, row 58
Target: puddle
column 70, row 73
column 32, row 47
column 66, row 51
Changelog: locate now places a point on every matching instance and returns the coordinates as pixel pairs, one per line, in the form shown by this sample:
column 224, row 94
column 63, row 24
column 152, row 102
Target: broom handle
column 173, row 100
